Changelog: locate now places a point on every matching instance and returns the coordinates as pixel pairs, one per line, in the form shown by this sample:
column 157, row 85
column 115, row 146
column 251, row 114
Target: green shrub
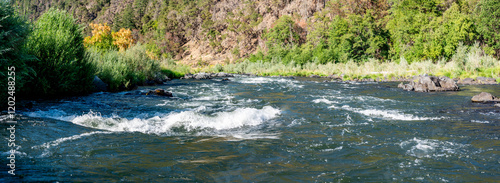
column 488, row 25
column 423, row 30
column 61, row 67
column 285, row 33
column 357, row 37
column 14, row 31
column 124, row 70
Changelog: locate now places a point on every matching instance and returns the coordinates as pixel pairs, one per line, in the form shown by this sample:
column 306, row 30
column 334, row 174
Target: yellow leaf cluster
column 99, row 32
column 123, row 39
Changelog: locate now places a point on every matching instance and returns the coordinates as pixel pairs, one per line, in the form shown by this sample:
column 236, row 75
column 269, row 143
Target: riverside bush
column 61, row 67
column 124, row 69
column 14, row 31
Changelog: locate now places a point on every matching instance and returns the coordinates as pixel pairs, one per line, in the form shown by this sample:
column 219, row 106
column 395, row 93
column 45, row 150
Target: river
column 260, row 129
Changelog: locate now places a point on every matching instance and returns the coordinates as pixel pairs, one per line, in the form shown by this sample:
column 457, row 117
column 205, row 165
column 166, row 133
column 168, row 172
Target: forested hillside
column 321, row 31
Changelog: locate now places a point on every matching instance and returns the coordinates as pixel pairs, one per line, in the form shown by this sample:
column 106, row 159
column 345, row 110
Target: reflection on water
column 258, row 129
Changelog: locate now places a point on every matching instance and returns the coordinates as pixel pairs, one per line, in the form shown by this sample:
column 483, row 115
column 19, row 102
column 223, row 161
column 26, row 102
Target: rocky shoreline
column 339, row 78
column 430, row 84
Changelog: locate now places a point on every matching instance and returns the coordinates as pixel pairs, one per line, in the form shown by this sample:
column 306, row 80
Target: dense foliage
column 61, row 67
column 299, row 31
column 103, row 39
column 14, row 31
column 488, row 25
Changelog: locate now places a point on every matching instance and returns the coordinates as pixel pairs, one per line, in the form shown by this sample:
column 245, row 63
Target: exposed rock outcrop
column 202, row 75
column 223, row 74
column 485, row 97
column 159, row 92
column 430, row 84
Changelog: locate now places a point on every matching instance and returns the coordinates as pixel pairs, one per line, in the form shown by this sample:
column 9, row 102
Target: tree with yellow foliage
column 103, row 39
column 123, row 39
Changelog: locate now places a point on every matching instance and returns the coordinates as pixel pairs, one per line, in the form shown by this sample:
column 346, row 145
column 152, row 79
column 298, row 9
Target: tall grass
column 174, row 70
column 61, row 67
column 467, row 62
column 124, row 69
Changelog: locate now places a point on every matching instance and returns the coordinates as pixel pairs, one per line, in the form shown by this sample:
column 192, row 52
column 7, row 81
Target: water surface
column 261, row 129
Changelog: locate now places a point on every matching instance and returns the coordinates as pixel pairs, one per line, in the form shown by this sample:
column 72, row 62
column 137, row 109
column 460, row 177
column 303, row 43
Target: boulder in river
column 202, row 75
column 188, row 76
column 223, row 74
column 478, row 81
column 430, row 84
column 485, row 97
column 485, row 80
column 99, row 85
column 466, row 81
column 160, row 92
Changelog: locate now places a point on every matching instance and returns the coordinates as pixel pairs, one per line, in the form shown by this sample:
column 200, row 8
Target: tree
column 126, row 19
column 61, row 67
column 14, row 31
column 357, row 37
column 101, row 37
column 488, row 25
column 284, row 33
column 123, row 39
column 428, row 29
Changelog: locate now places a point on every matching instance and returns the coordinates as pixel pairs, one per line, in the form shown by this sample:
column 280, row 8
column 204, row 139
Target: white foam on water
column 336, row 149
column 54, row 143
column 190, row 121
column 478, row 121
column 429, row 148
column 262, row 80
column 17, row 153
column 52, row 113
column 249, row 136
column 323, row 100
column 255, row 80
column 4, row 117
column 371, row 98
column 386, row 114
column 392, row 114
column 64, row 139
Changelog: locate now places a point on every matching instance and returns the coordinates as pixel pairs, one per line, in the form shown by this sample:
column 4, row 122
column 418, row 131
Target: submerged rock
column 430, row 84
column 485, row 97
column 159, row 92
